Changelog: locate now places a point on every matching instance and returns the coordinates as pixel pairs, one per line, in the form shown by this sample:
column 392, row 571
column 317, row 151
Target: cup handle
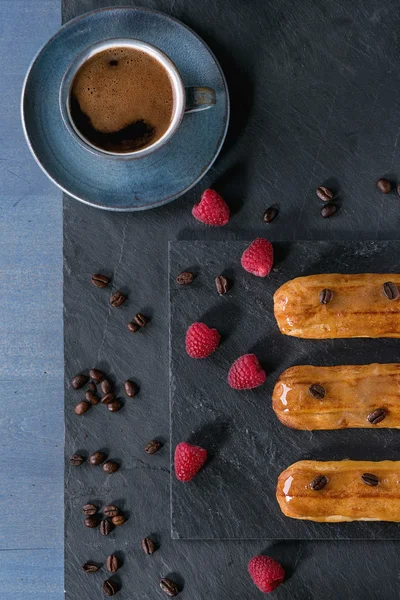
column 199, row 98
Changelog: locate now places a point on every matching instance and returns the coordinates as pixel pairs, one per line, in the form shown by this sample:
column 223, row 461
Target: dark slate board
column 314, row 92
column 249, row 447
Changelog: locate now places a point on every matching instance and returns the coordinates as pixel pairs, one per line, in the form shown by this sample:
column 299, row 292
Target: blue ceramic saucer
column 124, row 185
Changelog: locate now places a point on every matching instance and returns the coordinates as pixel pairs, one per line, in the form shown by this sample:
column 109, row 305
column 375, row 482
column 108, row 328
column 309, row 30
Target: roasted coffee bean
column 92, row 386
column 97, row 458
column 110, row 588
column 324, row 193
column 370, row 479
column 318, row 483
column 222, row 285
column 91, row 522
column 76, row 460
column 132, row 327
column 152, row 447
column 105, row 386
column 92, row 397
column 148, row 546
column 384, row 185
column 398, row 189
column 317, row 391
column 270, row 214
column 118, row 520
column 390, row 290
column 96, row 375
column 114, row 406
column 105, row 527
column 325, row 296
column 90, row 568
column 112, row 563
column 89, row 509
column 329, row 210
column 82, row 407
column 111, row 511
column 107, row 398
column 79, row 381
column 140, row 320
column 130, row 388
column 185, row 278
column 117, row 299
column 100, row 281
column 169, row 587
column 110, row 466
column 377, row 416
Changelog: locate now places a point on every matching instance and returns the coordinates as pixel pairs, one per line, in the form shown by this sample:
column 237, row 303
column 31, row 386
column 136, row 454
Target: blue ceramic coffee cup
column 185, row 100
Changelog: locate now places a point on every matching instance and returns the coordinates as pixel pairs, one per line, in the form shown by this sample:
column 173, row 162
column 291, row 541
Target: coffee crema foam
column 122, row 100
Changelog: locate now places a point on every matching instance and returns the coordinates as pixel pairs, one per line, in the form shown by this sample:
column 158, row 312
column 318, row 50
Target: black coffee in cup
column 122, row 100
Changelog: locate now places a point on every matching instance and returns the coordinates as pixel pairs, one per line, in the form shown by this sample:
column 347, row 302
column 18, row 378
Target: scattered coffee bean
column 97, row 458
column 90, row 568
column 390, row 290
column 222, row 285
column 152, row 447
column 318, row 483
column 169, row 587
column 100, row 281
column 140, row 320
column 325, row 296
column 377, row 416
column 111, row 511
column 329, row 210
column 185, row 278
column 118, row 520
column 398, row 189
column 105, row 527
column 92, row 397
column 96, row 375
column 107, row 398
column 324, row 193
column 82, row 407
column 148, row 546
column 117, row 299
column 370, row 479
column 92, row 386
column 114, row 406
column 317, row 391
column 112, row 563
column 79, row 381
column 384, row 185
column 130, row 388
column 89, row 509
column 91, row 522
column 132, row 327
column 110, row 466
column 270, row 214
column 76, row 460
column 105, row 386
column 110, row 588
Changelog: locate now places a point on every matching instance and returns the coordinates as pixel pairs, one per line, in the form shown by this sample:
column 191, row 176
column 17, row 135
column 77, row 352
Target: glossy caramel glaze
column 345, row 497
column 352, row 392
column 359, row 307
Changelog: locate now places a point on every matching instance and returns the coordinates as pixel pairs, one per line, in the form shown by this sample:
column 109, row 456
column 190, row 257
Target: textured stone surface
column 234, row 496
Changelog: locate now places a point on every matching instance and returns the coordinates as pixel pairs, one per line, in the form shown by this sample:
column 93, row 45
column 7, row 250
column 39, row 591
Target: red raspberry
column 201, row 341
column 212, row 209
column 266, row 573
column 188, row 460
column 258, row 258
column 246, row 373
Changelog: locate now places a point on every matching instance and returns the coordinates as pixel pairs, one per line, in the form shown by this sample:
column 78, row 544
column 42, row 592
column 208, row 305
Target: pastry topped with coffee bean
column 341, row 397
column 338, row 491
column 340, row 306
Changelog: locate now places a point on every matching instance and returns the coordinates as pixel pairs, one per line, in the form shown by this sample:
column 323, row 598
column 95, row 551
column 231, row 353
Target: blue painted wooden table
column 31, row 345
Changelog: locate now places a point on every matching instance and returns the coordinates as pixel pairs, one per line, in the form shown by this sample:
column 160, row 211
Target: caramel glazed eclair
column 339, row 306
column 338, row 491
column 347, row 396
